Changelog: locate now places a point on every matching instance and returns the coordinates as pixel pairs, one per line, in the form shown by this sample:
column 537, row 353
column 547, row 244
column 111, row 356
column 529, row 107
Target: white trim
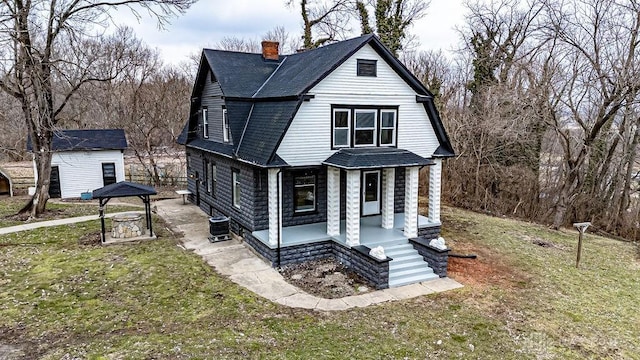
column 388, row 199
column 333, row 201
column 371, row 207
column 353, row 208
column 235, row 179
column 435, row 185
column 274, row 219
column 348, row 128
column 411, row 202
column 394, row 128
column 374, row 128
column 225, row 126
column 205, row 122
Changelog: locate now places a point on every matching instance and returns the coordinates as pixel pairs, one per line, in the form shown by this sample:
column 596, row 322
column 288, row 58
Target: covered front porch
column 370, row 232
column 361, row 208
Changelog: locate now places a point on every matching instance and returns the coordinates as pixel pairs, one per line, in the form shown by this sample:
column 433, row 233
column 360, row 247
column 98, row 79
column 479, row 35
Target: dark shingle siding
column 220, row 202
column 289, row 218
column 212, row 99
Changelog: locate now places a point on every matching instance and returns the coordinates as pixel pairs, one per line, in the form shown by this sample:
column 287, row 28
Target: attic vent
column 367, row 67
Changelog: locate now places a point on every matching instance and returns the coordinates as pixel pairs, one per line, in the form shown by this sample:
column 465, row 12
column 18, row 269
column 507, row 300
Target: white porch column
column 333, row 201
column 435, row 175
column 353, row 207
column 274, row 206
column 411, row 202
column 388, row 187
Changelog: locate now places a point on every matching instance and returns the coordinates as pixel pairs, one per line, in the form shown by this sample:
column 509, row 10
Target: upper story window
column 225, row 125
column 367, row 67
column 205, row 123
column 353, row 126
column 388, row 127
column 341, row 128
column 365, row 127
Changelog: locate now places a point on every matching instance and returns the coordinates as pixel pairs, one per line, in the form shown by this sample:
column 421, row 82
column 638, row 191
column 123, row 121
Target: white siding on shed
column 308, row 139
column 81, row 171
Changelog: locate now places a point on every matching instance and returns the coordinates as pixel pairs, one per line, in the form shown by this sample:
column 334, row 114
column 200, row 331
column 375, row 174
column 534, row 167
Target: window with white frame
column 235, row 189
column 354, row 126
column 304, row 196
column 207, row 175
column 213, row 170
column 341, row 128
column 205, row 123
column 388, row 127
column 365, row 127
column 225, row 125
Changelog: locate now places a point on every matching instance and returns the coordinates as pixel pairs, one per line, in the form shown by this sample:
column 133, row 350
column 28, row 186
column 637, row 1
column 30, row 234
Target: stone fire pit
column 127, row 226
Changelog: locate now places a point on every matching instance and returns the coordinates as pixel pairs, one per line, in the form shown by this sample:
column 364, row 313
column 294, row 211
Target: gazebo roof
column 123, row 189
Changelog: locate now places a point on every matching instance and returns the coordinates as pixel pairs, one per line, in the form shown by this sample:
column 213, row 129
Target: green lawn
column 61, row 299
column 9, row 207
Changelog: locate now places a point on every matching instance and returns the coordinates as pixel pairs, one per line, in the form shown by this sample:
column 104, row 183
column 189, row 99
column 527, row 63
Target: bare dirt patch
column 486, row 269
column 325, row 278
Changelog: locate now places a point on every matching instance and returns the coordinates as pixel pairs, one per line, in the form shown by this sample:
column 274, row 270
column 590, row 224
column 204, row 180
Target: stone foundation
column 437, row 259
column 127, row 226
column 431, row 232
column 356, row 258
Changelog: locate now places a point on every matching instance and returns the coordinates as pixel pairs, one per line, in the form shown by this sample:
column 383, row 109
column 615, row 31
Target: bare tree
column 322, row 20
column 392, row 19
column 50, row 53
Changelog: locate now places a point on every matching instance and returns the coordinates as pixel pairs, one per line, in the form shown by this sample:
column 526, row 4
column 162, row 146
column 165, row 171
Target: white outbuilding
column 85, row 160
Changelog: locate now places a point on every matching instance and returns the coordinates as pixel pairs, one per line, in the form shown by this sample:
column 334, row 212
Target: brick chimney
column 270, row 50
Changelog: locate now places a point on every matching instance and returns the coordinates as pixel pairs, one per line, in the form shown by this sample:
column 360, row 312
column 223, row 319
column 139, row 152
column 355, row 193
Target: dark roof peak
column 87, row 139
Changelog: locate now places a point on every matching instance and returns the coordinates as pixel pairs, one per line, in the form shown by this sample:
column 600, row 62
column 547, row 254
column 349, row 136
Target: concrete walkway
column 242, row 266
column 66, row 221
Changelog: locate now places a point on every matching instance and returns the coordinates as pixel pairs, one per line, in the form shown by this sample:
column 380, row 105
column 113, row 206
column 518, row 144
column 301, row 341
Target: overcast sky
column 208, row 21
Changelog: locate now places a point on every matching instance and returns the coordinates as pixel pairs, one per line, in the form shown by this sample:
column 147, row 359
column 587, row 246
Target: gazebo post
column 149, row 220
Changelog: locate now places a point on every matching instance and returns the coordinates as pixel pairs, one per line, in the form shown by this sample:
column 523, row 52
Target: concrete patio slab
column 441, row 284
column 408, row 291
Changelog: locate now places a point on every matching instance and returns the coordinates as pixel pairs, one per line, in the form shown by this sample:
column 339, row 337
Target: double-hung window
column 225, row 125
column 365, row 127
column 354, row 126
column 205, row 123
column 304, row 197
column 388, row 127
column 207, row 175
column 235, row 187
column 341, row 128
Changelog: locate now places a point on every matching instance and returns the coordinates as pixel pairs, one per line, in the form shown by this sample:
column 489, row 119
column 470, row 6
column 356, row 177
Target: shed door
column 108, row 174
column 54, row 183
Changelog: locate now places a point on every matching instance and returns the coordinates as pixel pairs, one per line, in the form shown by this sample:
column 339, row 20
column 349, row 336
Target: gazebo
column 125, row 189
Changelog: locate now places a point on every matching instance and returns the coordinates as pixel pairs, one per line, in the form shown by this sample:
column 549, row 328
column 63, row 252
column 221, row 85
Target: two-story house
column 318, row 154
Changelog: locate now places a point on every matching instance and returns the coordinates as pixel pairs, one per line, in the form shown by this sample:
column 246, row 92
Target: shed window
column 304, row 197
column 235, row 188
column 367, row 67
column 108, row 173
column 205, row 123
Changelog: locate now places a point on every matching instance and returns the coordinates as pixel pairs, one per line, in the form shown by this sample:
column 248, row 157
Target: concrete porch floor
column 370, row 231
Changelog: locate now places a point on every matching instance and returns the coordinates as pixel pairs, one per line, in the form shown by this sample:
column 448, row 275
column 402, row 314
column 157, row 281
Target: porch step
column 407, row 266
column 411, row 279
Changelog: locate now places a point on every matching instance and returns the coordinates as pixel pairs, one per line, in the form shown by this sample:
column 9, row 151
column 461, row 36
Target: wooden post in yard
column 582, row 227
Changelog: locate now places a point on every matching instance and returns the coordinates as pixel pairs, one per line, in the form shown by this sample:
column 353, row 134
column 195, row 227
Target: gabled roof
column 123, row 189
column 263, row 96
column 92, row 139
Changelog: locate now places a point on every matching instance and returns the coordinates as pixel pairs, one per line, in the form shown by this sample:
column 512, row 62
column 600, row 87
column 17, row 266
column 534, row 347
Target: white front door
column 370, row 192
